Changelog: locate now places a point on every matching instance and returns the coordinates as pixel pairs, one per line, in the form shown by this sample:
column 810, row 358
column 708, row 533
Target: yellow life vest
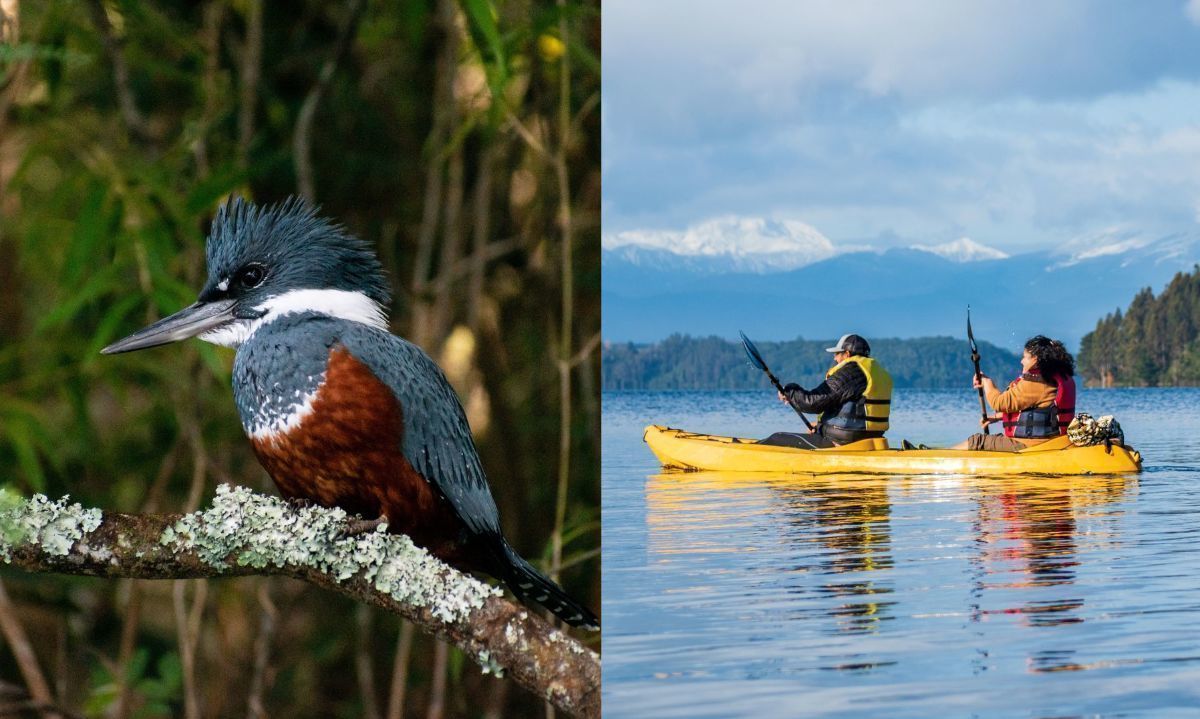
column 870, row 412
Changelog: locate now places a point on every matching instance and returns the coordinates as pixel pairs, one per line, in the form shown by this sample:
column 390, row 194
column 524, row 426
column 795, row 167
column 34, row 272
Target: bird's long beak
column 188, row 322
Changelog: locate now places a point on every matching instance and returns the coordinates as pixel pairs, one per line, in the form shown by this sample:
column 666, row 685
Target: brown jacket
column 1022, row 395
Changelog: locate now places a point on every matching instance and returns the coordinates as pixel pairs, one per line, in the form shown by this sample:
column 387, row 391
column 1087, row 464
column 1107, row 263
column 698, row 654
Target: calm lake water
column 796, row 595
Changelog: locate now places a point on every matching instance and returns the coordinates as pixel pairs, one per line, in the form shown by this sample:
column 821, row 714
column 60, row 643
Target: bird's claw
column 358, row 525
column 300, row 502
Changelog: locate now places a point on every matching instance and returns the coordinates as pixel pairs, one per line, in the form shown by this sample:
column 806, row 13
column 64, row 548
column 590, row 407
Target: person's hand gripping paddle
column 757, row 360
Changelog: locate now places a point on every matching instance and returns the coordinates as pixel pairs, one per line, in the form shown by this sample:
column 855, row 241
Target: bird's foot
column 358, row 525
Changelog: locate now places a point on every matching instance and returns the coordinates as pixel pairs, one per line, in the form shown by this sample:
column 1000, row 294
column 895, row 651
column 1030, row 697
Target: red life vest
column 1040, row 423
column 1064, row 399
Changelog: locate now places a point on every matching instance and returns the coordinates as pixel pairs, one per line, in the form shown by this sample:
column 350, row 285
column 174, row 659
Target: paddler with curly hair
column 1037, row 406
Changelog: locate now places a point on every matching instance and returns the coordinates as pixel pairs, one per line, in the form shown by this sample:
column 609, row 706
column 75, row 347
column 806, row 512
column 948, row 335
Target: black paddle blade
column 752, row 352
column 970, row 334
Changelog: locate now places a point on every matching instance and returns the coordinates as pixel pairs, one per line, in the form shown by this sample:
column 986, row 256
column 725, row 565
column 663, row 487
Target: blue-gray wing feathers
column 437, row 438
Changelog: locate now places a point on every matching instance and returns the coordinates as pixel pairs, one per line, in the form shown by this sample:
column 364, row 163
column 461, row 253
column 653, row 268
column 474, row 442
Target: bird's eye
column 252, row 276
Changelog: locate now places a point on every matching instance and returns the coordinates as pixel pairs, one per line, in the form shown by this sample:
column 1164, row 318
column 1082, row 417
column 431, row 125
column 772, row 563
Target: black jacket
column 843, row 386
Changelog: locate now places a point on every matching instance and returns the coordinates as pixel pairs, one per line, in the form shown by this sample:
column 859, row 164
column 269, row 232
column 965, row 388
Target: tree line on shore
column 682, row 362
column 1153, row 342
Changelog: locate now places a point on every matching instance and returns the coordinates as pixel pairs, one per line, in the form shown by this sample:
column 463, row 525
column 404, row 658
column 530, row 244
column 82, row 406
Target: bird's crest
column 300, row 247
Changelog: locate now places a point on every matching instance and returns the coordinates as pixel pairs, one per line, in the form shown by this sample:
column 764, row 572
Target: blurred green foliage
column 438, row 136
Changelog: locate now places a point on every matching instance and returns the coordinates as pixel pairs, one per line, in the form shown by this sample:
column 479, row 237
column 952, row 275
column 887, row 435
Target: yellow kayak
column 688, row 450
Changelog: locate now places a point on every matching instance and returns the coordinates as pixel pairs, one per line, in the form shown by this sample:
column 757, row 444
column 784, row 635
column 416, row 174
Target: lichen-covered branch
column 245, row 533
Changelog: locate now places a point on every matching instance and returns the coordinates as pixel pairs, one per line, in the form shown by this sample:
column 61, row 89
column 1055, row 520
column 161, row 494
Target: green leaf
column 106, row 332
column 170, row 670
column 93, row 224
column 21, row 425
column 483, row 27
column 207, row 192
column 584, row 55
column 485, row 34
column 103, row 281
column 454, row 663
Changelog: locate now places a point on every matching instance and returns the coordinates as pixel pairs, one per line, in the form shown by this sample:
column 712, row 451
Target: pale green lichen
column 557, row 637
column 250, row 529
column 488, row 665
column 53, row 525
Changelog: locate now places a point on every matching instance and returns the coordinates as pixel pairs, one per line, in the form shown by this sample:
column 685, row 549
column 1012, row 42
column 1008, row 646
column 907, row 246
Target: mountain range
column 664, row 286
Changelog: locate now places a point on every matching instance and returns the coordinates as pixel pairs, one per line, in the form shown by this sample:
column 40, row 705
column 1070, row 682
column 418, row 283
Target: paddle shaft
column 982, row 401
column 978, row 372
column 779, row 387
column 757, row 360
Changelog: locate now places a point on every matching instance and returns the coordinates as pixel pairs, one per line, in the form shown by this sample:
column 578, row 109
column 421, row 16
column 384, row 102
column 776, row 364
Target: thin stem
column 187, row 629
column 431, row 213
column 129, row 627
column 567, row 329
column 302, row 137
column 251, row 72
column 452, row 236
column 481, row 207
column 364, row 667
column 23, row 652
column 255, row 708
column 400, row 671
column 135, row 122
column 437, row 690
column 211, row 40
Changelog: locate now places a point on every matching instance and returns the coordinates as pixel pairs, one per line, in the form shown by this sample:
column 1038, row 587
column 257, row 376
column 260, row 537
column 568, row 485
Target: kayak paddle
column 978, row 373
column 757, row 360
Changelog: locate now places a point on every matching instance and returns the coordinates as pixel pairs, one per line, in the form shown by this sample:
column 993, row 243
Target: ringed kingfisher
column 338, row 410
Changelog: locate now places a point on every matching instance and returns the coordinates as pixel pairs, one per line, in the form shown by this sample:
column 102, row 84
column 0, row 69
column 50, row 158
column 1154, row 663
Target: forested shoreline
column 1153, row 342
column 683, row 362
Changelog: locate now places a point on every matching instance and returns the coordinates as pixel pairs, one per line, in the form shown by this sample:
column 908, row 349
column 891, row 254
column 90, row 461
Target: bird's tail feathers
column 531, row 586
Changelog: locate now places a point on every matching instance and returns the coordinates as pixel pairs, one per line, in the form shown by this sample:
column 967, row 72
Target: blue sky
column 1018, row 124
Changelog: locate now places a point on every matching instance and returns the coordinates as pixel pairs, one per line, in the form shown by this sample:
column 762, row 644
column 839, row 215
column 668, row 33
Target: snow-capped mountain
column 755, row 244
column 1130, row 245
column 963, row 250
column 727, row 244
column 899, row 292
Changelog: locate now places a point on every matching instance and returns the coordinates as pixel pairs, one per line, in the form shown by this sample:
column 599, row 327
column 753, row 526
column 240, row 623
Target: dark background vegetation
column 1154, row 342
column 461, row 137
column 682, row 362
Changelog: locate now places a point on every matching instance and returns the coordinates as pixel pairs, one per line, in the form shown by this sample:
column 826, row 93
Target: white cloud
column 1016, row 123
column 1192, row 10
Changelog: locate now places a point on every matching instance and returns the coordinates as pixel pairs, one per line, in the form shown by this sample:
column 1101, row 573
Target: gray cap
column 853, row 344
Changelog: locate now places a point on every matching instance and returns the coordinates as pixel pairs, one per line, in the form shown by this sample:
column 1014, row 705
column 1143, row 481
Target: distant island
column 681, row 362
column 1154, row 342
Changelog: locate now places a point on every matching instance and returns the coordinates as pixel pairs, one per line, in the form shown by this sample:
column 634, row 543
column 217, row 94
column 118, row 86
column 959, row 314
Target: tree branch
column 245, row 533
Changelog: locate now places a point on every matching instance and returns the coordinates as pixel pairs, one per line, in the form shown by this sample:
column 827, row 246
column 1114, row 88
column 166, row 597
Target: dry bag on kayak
column 1086, row 430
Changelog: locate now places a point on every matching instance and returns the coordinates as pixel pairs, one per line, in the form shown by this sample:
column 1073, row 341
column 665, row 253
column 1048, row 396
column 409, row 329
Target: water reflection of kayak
column 688, row 450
